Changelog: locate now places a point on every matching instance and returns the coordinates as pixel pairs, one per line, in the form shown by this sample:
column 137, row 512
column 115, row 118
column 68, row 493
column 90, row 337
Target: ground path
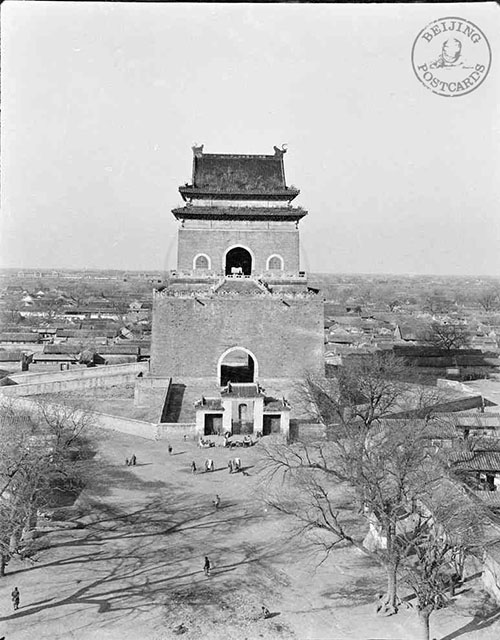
column 135, row 569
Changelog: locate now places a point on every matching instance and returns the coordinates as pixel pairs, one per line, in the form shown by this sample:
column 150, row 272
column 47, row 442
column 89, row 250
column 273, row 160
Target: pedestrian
column 127, row 462
column 16, row 596
column 193, row 467
column 217, row 501
column 170, row 449
column 230, row 466
column 133, row 460
column 206, row 566
column 185, row 437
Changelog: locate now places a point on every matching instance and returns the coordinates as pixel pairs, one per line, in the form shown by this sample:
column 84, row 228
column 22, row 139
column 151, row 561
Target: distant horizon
column 316, row 273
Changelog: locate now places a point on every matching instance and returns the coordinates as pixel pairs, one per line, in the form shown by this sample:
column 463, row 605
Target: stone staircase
column 183, row 395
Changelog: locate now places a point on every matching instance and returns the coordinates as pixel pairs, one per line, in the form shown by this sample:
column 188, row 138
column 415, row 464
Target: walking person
column 133, row 460
column 193, row 467
column 206, row 566
column 230, row 466
column 127, row 462
column 170, row 449
column 16, row 596
column 217, row 501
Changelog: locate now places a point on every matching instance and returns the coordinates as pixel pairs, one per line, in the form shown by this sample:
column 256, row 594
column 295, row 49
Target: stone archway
column 237, row 365
column 238, row 261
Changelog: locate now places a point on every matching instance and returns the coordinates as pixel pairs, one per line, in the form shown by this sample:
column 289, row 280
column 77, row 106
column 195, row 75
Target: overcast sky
column 101, row 104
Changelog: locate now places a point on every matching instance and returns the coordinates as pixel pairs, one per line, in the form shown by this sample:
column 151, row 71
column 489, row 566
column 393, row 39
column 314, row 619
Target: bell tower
column 237, row 309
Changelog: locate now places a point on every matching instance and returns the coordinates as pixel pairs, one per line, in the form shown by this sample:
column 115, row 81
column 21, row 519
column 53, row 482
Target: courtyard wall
column 28, row 384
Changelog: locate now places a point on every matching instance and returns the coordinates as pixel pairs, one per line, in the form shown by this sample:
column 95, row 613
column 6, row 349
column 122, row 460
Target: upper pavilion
column 234, row 186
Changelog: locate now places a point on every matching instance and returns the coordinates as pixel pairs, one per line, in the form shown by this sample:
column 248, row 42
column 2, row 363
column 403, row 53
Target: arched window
column 275, row 263
column 201, row 261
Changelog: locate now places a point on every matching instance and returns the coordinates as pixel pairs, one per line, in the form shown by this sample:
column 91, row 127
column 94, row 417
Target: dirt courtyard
column 134, row 568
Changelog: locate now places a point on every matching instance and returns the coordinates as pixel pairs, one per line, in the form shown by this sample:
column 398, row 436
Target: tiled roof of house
column 272, row 404
column 10, row 356
column 64, row 347
column 19, row 337
column 241, row 390
column 213, row 404
column 473, row 420
column 479, row 461
column 55, row 357
column 119, row 349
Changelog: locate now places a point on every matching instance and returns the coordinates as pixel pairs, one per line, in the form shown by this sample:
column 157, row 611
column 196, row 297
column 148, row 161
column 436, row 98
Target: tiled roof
column 272, row 404
column 474, row 420
column 10, row 356
column 241, row 390
column 55, row 357
column 119, row 349
column 239, row 213
column 227, row 172
column 19, row 337
column 479, row 461
column 64, row 347
column 209, row 403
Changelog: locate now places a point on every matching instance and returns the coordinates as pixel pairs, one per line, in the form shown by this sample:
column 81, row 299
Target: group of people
column 234, row 465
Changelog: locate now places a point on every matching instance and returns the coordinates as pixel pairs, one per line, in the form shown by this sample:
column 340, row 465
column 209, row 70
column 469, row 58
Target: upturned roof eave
column 189, row 192
column 238, row 213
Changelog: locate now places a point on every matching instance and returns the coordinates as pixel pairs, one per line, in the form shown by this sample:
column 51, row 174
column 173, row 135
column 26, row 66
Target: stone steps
column 183, row 395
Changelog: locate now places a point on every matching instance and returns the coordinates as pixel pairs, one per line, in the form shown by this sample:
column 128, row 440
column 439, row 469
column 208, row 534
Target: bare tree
column 11, row 309
column 380, row 476
column 451, row 526
column 489, row 299
column 447, row 336
column 374, row 463
column 41, row 453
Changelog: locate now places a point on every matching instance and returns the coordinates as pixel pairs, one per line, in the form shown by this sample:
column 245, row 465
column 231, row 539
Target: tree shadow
column 130, row 557
column 478, row 623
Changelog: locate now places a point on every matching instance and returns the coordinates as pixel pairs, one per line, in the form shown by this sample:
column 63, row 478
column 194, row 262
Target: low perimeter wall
column 29, row 384
column 148, row 430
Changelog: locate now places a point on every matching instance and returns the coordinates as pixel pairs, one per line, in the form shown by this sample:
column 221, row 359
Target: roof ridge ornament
column 197, row 150
column 280, row 152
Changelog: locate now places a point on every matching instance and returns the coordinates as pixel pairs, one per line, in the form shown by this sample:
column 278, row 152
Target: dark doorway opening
column 213, row 424
column 271, row 424
column 244, row 423
column 237, row 366
column 238, row 262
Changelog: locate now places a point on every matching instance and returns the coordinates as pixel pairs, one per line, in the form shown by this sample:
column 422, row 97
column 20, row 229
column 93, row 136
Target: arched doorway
column 237, row 365
column 238, row 262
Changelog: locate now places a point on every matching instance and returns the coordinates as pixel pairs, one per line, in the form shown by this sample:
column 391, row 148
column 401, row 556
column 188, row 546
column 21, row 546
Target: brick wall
column 189, row 336
column 263, row 243
column 28, row 384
